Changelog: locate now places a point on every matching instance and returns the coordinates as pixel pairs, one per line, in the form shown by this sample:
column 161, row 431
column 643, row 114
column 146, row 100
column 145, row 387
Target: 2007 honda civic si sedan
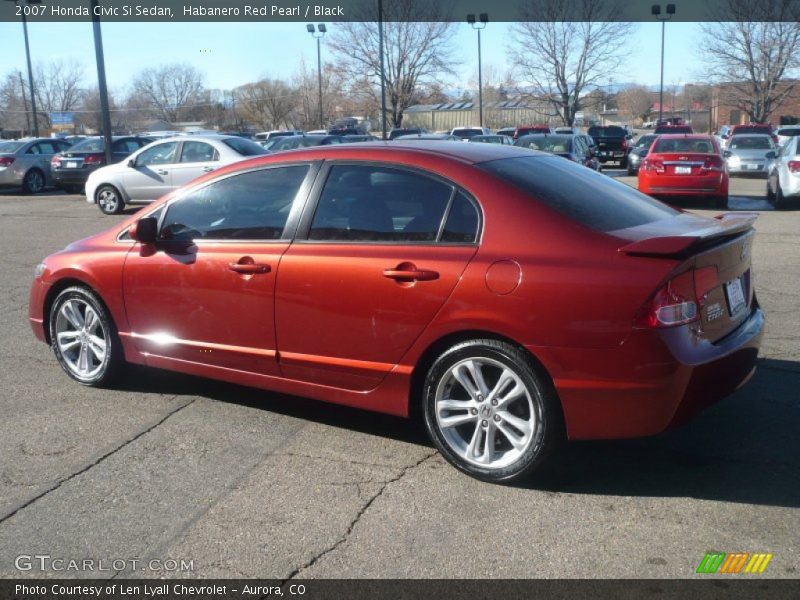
column 512, row 298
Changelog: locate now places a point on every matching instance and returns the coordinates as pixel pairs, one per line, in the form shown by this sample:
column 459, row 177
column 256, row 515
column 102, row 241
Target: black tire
column 107, row 368
column 33, row 182
column 780, row 199
column 539, row 405
column 623, row 163
column 109, row 200
column 770, row 193
column 630, row 171
column 721, row 202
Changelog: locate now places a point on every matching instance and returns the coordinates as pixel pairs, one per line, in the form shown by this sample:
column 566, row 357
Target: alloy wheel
column 81, row 338
column 107, row 200
column 485, row 413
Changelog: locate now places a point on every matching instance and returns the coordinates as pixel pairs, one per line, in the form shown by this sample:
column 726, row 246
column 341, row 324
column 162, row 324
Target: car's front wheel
column 109, row 200
column 83, row 337
column 490, row 412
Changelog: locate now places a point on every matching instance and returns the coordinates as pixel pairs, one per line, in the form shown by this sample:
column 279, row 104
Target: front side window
column 364, row 203
column 248, row 206
column 125, row 146
column 161, row 154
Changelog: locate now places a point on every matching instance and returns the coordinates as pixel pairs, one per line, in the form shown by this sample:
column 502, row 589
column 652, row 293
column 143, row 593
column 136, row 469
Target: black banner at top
column 402, row 10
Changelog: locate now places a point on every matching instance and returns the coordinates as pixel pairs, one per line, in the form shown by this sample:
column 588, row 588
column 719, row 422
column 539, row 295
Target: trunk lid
column 718, row 251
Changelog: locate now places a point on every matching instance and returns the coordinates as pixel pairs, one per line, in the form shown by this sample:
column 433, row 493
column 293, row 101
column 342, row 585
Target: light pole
column 30, row 70
column 101, row 81
column 484, row 19
column 656, row 10
column 318, row 34
column 383, row 72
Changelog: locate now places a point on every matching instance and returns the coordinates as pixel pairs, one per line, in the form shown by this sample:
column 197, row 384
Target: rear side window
column 244, row 147
column 365, row 203
column 592, row 199
column 249, row 206
column 462, row 222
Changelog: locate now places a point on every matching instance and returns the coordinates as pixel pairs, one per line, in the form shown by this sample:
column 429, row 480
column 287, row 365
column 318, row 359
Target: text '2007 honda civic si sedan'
column 512, row 298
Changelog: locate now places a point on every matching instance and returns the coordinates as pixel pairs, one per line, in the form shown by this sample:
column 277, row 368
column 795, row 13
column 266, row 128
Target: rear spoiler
column 727, row 226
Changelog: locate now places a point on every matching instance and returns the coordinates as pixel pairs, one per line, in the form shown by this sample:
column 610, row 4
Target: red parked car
column 685, row 165
column 510, row 297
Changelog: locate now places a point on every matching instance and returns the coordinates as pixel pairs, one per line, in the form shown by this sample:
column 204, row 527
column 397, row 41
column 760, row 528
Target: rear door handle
column 411, row 274
column 249, row 268
column 160, row 172
column 208, row 169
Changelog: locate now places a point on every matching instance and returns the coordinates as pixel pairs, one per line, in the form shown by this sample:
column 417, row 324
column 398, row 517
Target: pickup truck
column 612, row 144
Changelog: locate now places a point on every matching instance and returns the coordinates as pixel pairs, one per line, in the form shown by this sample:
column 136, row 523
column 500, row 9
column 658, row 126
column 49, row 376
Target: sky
column 231, row 54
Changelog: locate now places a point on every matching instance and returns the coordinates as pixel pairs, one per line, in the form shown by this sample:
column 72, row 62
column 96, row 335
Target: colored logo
column 736, row 562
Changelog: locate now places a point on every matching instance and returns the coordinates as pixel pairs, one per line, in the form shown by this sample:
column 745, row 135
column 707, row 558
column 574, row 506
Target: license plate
column 752, row 167
column 735, row 293
column 683, row 170
column 71, row 164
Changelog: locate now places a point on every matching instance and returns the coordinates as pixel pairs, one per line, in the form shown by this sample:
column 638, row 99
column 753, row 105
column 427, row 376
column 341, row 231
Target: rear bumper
column 70, row 176
column 9, row 177
column 653, row 381
column 671, row 185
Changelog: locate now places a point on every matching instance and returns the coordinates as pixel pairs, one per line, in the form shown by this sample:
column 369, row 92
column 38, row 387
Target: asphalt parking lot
column 246, row 483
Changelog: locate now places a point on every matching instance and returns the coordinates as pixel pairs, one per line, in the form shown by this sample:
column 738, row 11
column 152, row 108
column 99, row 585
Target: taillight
column 55, row 161
column 6, row 161
column 624, row 144
column 94, row 159
column 794, row 166
column 673, row 304
column 655, row 166
column 714, row 163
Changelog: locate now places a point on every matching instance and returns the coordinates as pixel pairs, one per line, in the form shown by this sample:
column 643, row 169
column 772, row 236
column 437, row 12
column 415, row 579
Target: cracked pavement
column 246, row 483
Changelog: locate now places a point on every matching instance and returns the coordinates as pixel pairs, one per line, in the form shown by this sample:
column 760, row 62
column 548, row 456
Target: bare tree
column 13, row 108
column 169, row 89
column 559, row 58
column 755, row 53
column 635, row 101
column 267, row 103
column 418, row 50
column 306, row 85
column 58, row 85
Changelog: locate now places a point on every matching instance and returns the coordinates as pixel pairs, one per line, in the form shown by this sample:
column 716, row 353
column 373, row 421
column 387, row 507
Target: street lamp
column 656, row 10
column 30, row 70
column 484, row 19
column 101, row 81
column 318, row 34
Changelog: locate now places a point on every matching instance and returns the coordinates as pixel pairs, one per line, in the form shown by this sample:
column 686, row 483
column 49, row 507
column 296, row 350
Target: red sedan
column 685, row 165
column 510, row 297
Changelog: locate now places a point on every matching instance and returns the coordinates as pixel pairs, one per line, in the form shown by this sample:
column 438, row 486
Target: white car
column 163, row 166
column 783, row 175
column 467, row 132
column 787, row 133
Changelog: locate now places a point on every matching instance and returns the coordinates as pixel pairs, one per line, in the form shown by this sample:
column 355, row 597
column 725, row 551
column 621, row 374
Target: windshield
column 10, row 146
column 664, row 145
column 590, row 198
column 89, row 145
column 750, row 143
column 245, row 147
column 467, row 133
column 546, row 143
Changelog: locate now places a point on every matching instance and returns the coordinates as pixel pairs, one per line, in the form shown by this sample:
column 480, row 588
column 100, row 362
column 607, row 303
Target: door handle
column 207, row 169
column 161, row 172
column 410, row 274
column 249, row 268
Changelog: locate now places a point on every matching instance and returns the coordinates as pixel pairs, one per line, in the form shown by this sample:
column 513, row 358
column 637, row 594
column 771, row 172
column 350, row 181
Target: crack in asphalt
column 94, row 463
column 405, row 470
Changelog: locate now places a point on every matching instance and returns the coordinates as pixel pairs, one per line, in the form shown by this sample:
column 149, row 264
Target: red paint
column 350, row 323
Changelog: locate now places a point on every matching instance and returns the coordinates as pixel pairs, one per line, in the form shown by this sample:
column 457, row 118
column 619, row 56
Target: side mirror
column 727, row 154
column 771, row 154
column 132, row 163
column 145, row 230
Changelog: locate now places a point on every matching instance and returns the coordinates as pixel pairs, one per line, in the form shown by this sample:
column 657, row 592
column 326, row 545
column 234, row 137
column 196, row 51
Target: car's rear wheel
column 33, row 182
column 780, row 199
column 721, row 201
column 83, row 337
column 109, row 200
column 73, row 189
column 490, row 412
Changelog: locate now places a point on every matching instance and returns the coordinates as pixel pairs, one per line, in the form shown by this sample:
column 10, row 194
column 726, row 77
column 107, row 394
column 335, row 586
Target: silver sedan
column 163, row 166
column 747, row 154
column 26, row 163
column 783, row 176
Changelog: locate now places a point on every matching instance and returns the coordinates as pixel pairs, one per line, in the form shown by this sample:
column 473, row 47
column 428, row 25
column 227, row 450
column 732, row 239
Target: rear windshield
column 90, row 145
column 688, row 145
column 789, row 131
column 467, row 133
column 751, row 129
column 10, row 146
column 674, row 129
column 526, row 130
column 245, row 147
column 583, row 195
column 750, row 143
column 546, row 143
column 611, row 131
